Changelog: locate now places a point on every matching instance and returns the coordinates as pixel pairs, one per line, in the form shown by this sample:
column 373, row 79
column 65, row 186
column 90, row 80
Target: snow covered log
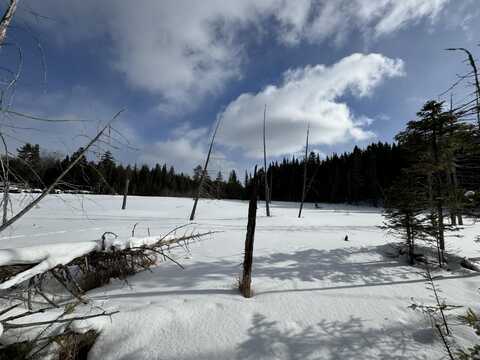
column 18, row 265
column 42, row 257
column 468, row 264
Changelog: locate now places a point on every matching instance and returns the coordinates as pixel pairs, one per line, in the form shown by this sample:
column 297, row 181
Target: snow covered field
column 316, row 296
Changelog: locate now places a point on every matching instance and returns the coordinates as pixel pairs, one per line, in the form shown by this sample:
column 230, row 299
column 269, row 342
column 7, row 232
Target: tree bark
column 125, row 194
column 7, row 19
column 245, row 284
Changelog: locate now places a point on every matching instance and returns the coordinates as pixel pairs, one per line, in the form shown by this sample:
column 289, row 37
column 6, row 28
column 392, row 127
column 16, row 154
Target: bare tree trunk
column 455, row 186
column 7, row 19
column 439, row 200
column 271, row 188
column 445, row 343
column 456, row 214
column 441, row 231
column 6, row 199
column 125, row 194
column 204, row 171
column 245, row 284
column 6, row 181
column 304, row 174
column 267, row 193
column 47, row 191
column 453, row 218
column 411, row 255
column 453, row 201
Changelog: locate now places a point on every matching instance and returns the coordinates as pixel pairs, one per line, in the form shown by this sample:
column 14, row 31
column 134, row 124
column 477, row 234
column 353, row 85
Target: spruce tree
column 431, row 142
column 404, row 212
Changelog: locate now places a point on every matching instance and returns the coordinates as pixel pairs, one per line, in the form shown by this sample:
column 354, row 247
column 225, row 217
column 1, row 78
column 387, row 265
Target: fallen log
column 470, row 265
column 94, row 262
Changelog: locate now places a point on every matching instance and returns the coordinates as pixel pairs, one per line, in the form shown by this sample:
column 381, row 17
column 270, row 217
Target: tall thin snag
column 267, row 192
column 204, row 171
column 245, row 284
column 304, row 175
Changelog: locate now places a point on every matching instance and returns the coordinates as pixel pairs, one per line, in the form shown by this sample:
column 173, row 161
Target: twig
column 8, row 326
column 445, row 343
column 7, row 19
column 60, row 177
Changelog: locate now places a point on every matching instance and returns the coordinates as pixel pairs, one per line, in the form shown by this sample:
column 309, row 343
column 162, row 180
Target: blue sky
column 357, row 71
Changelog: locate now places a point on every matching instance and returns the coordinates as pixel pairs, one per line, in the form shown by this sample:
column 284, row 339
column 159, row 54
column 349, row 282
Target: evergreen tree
column 197, row 173
column 29, row 153
column 432, row 141
column 404, row 213
column 233, row 188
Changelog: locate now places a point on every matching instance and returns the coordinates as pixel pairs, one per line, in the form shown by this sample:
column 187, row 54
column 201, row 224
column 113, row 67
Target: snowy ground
column 316, row 296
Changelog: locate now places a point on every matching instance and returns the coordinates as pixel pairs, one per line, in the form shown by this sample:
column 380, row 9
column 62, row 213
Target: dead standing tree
column 267, row 192
column 304, row 186
column 125, row 194
column 245, row 282
column 6, row 183
column 204, row 171
column 464, row 112
column 472, row 63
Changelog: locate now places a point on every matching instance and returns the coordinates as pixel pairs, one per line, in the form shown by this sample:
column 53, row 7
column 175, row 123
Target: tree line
column 32, row 168
column 360, row 176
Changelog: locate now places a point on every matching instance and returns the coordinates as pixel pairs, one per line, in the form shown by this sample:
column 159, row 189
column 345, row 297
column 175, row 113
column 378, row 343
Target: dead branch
column 38, row 118
column 133, row 229
column 7, row 19
column 8, row 326
column 471, row 60
column 99, row 266
column 60, row 177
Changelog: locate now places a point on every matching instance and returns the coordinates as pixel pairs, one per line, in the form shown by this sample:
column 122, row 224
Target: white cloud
column 307, row 95
column 66, row 137
column 407, row 10
column 182, row 153
column 185, row 149
column 187, row 49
